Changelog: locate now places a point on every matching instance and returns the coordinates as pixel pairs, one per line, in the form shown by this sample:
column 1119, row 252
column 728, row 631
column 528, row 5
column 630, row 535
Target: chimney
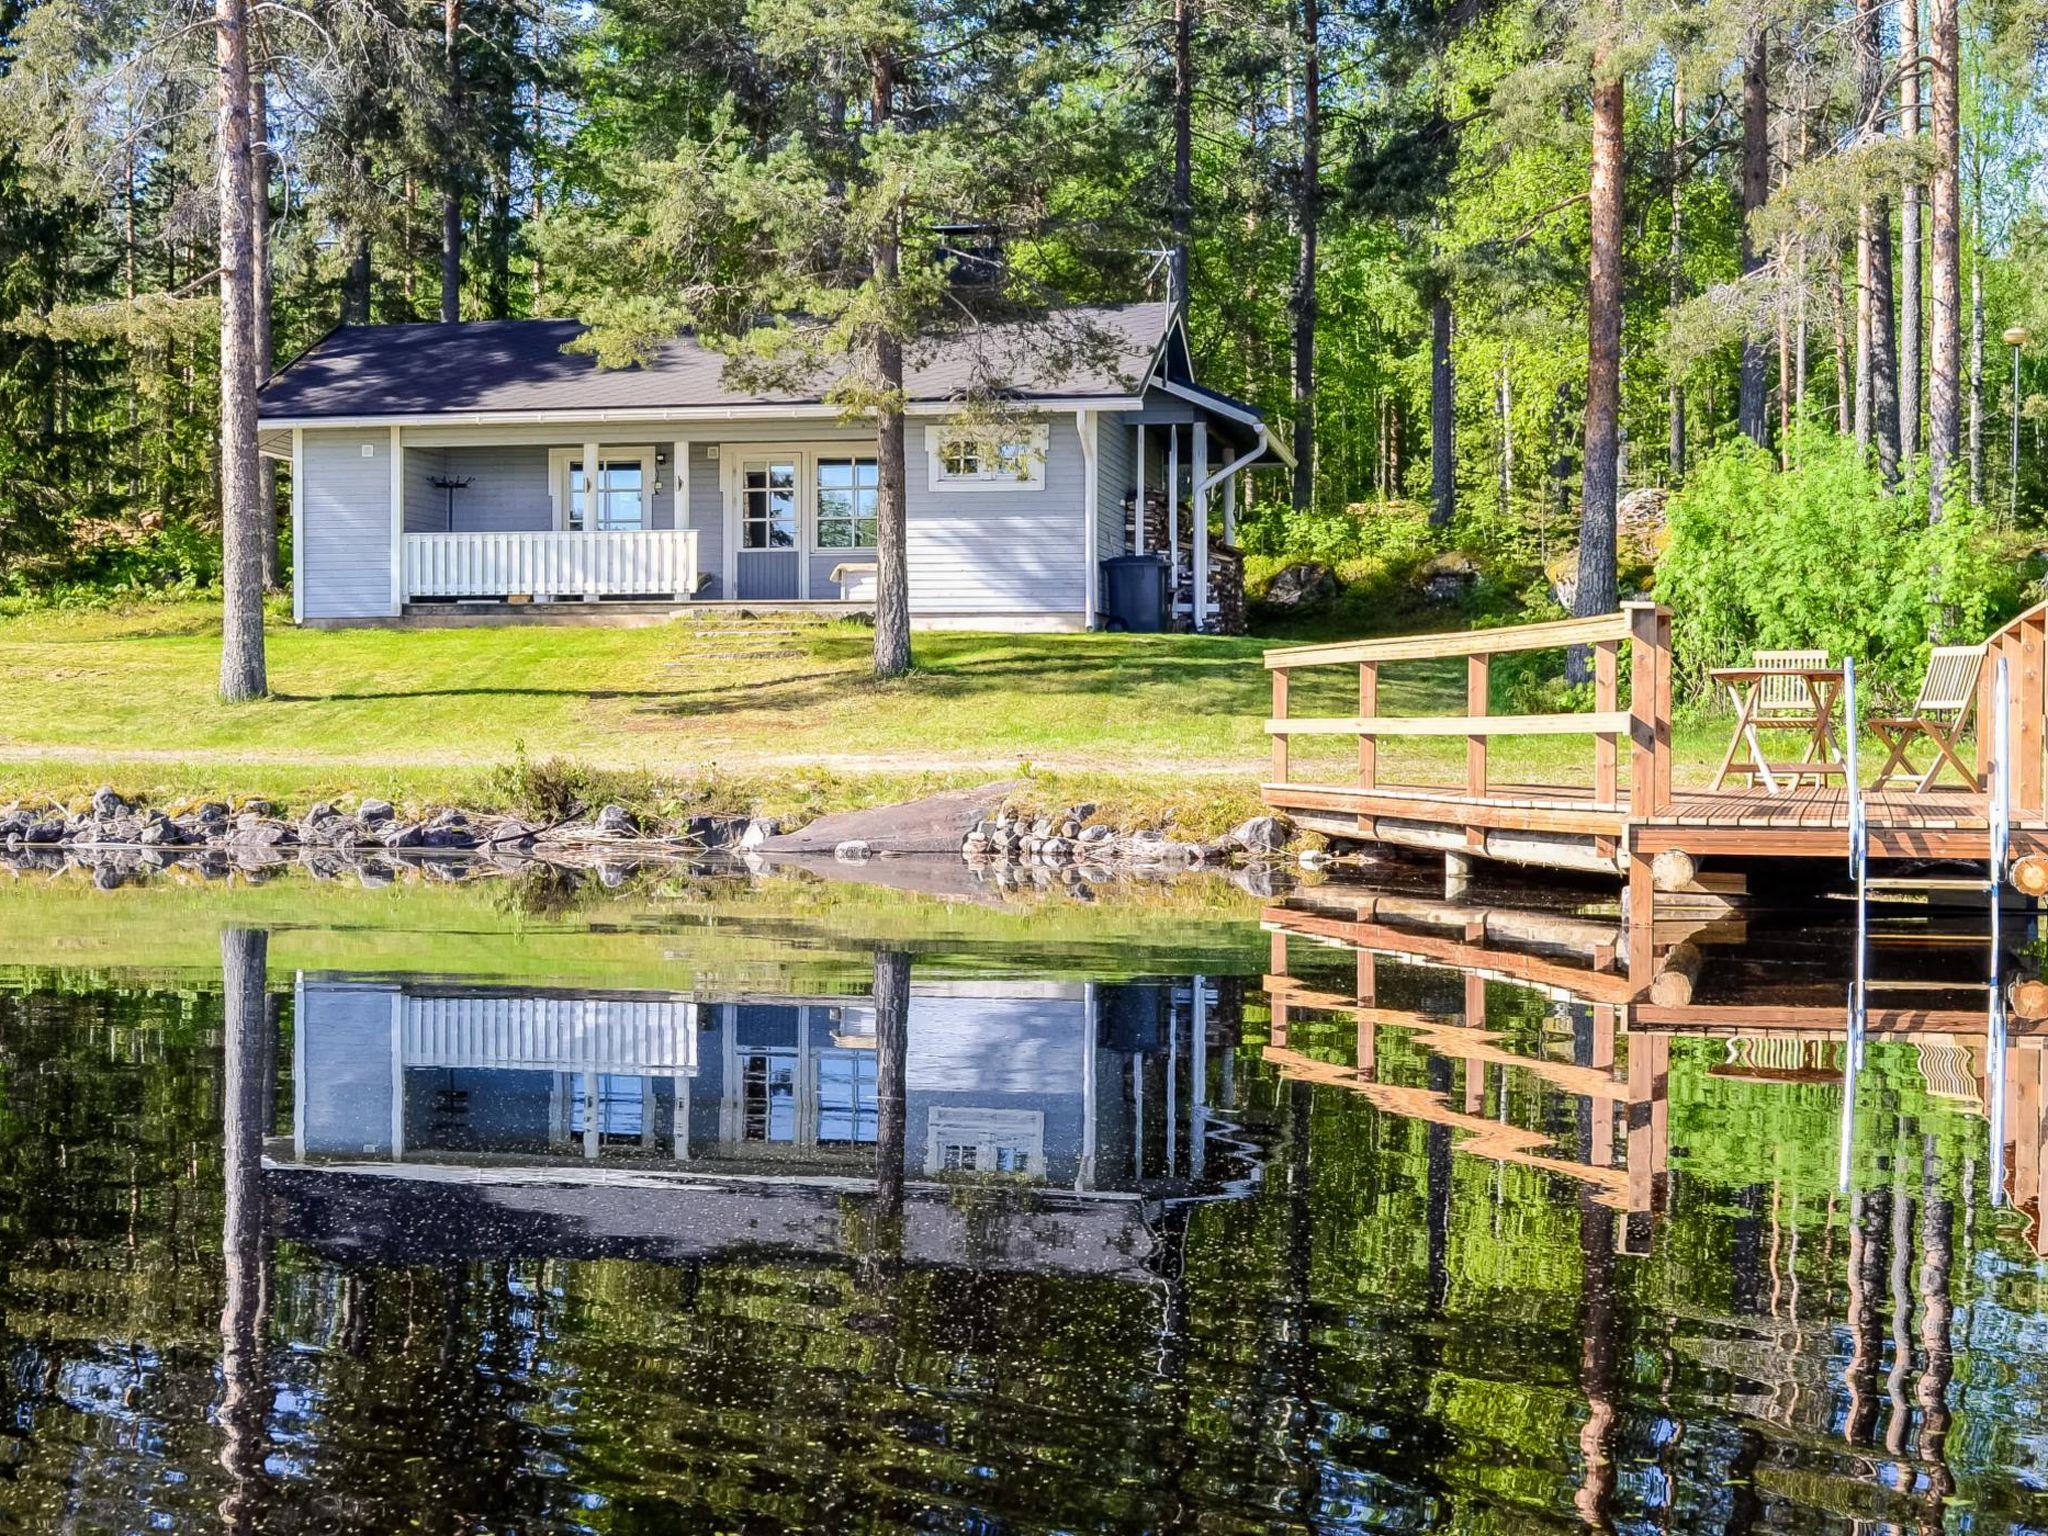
column 970, row 253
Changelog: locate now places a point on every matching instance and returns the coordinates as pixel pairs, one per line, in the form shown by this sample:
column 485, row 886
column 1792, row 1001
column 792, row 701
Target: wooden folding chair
column 1941, row 714
column 1787, row 703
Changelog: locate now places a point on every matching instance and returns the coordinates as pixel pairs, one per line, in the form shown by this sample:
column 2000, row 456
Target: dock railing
column 1645, row 724
column 2023, row 647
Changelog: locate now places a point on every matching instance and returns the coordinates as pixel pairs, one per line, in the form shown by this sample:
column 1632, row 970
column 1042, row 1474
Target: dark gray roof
column 519, row 365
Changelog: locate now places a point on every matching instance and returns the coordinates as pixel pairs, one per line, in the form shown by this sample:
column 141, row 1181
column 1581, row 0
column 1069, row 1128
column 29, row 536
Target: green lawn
column 1144, row 721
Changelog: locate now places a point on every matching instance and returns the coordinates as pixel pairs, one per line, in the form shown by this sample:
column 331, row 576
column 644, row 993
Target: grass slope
column 777, row 717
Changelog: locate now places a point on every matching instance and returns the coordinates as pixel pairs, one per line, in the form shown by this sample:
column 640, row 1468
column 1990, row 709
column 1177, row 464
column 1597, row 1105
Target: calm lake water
column 733, row 1204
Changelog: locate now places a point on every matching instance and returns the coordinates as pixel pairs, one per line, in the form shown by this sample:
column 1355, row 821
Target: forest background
column 1501, row 264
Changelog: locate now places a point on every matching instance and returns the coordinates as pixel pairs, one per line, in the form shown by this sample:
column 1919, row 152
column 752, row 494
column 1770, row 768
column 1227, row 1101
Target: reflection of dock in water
column 1613, row 1083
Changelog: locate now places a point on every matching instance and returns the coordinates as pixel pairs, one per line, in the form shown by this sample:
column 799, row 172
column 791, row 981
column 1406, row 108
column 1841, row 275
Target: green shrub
column 1820, row 555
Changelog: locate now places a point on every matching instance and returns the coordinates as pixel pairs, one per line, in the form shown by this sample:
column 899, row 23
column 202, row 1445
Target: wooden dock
column 1624, row 811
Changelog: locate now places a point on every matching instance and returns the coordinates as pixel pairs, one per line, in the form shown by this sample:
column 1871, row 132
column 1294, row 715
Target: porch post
column 1138, row 523
column 589, row 507
column 679, row 502
column 1172, row 518
column 1085, row 424
column 1230, row 509
column 298, row 525
column 397, row 522
column 1200, row 512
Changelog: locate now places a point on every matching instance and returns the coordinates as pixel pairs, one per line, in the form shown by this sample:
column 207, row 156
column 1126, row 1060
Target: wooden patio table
column 1745, row 690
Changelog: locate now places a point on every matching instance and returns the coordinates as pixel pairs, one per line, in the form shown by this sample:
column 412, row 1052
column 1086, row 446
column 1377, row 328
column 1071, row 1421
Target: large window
column 847, row 490
column 768, row 506
column 965, row 459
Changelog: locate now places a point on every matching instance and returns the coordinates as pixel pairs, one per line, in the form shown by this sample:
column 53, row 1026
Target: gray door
column 771, row 521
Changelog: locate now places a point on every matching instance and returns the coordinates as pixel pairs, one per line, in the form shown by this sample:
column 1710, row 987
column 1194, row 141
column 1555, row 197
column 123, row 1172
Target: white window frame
column 559, row 460
column 813, row 459
column 1031, row 440
column 1020, row 1131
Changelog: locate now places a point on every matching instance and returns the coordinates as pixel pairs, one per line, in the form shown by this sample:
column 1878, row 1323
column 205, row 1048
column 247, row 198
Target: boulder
column 758, row 831
column 106, row 805
column 1448, row 576
column 853, row 851
column 403, row 834
column 252, row 831
column 615, row 821
column 1262, row 834
column 43, row 834
column 374, row 813
column 1304, row 584
column 160, row 832
column 1092, row 837
column 1639, row 522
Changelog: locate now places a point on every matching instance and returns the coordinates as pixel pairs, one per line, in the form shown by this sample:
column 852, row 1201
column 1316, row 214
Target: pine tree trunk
column 1183, row 211
column 1909, row 237
column 1944, row 391
column 1875, row 227
column 262, row 164
column 1676, row 258
column 1443, row 416
column 241, row 511
column 245, row 1241
column 1884, row 378
column 355, row 277
column 892, row 1056
column 451, row 172
column 1752, row 417
column 1844, row 389
column 1976, row 376
column 1308, row 211
column 892, row 564
column 1596, row 593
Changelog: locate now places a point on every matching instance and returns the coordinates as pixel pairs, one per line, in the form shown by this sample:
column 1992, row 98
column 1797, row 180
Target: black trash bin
column 1134, row 593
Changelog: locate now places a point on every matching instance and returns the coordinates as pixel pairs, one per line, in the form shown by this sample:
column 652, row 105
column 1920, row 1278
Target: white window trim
column 559, row 460
column 1022, row 1130
column 1033, row 438
column 812, row 459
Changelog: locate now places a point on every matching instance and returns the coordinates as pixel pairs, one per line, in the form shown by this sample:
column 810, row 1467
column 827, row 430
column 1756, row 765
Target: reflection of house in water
column 697, row 1116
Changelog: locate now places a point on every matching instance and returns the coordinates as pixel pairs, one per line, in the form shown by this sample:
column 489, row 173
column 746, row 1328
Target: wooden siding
column 346, row 563
column 706, row 503
column 1115, row 478
column 1002, row 552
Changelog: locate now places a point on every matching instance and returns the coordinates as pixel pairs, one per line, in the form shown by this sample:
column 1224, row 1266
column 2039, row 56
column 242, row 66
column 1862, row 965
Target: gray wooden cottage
column 480, row 468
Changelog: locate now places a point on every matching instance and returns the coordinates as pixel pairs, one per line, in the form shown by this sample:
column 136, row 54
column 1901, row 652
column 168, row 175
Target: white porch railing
column 554, row 564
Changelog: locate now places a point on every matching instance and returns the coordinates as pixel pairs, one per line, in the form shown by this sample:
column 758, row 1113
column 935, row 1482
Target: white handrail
column 647, row 562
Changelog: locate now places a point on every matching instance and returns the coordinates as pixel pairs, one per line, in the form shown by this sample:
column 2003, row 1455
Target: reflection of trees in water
column 1386, row 1321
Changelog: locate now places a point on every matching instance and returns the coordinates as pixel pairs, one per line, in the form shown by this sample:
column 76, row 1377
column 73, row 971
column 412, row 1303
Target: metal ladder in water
column 1998, row 814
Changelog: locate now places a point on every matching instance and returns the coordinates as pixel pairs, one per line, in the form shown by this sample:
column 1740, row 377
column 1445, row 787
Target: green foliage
column 1822, row 555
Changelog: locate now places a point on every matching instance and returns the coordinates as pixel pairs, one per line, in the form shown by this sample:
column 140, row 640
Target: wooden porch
column 1624, row 812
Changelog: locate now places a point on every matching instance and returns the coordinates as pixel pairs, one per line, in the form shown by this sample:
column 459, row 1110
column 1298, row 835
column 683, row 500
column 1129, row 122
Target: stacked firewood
column 1226, row 589
column 1226, row 564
